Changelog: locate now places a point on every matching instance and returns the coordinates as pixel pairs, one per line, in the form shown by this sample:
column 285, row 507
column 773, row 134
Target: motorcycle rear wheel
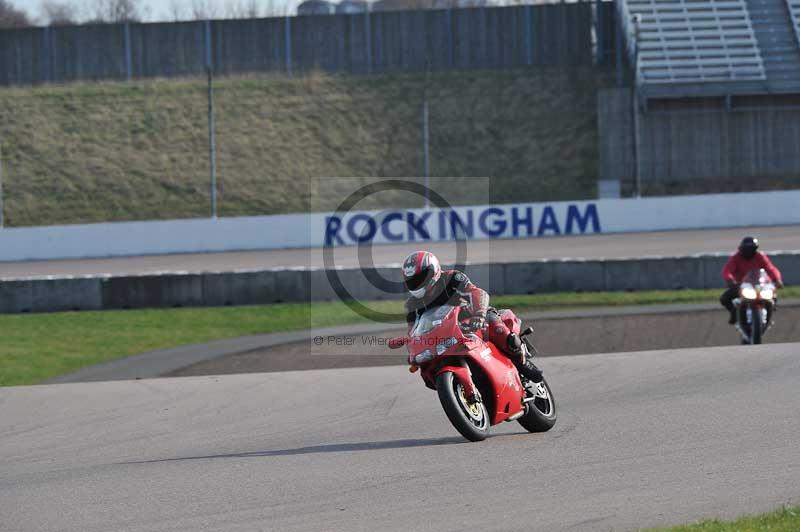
column 469, row 419
column 541, row 414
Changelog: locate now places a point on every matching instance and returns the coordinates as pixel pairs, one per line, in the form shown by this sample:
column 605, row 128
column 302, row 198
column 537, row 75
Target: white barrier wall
column 478, row 222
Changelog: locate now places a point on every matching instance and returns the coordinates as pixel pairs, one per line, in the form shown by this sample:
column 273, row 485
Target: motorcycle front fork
column 765, row 315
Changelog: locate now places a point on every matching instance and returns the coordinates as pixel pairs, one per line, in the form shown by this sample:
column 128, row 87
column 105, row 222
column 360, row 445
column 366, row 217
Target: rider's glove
column 732, row 284
column 477, row 323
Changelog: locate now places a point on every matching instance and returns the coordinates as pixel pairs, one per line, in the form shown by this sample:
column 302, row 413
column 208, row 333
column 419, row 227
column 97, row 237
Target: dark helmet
column 748, row 247
column 421, row 270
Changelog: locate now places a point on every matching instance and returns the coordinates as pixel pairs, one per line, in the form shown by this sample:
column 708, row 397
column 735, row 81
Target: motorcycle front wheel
column 470, row 419
column 755, row 328
column 541, row 414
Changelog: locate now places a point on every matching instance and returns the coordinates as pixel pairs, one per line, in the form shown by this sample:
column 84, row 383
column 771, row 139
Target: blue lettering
column 548, row 222
column 332, row 226
column 459, row 228
column 389, row 218
column 527, row 221
column 499, row 225
column 590, row 214
column 418, row 225
column 442, row 226
column 367, row 233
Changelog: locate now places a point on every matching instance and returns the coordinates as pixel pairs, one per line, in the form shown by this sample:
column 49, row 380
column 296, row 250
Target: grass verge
column 39, row 346
column 786, row 519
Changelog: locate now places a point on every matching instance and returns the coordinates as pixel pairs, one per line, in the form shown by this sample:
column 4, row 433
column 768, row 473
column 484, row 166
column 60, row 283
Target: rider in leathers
column 432, row 287
column 746, row 258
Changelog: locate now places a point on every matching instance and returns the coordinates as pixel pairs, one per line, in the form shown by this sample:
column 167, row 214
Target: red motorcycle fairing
column 499, row 374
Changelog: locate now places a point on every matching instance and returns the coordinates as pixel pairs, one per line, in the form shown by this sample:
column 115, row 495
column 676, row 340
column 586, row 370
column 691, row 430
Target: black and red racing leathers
column 455, row 288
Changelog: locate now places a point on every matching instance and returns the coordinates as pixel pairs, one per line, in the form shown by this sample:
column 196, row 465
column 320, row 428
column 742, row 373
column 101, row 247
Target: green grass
column 786, row 519
column 38, row 346
column 90, row 152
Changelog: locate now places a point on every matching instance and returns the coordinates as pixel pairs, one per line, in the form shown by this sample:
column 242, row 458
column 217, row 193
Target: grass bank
column 39, row 346
column 91, row 152
column 786, row 519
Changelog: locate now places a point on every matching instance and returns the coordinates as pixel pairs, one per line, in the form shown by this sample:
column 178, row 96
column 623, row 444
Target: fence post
column 207, row 42
column 52, row 54
column 618, row 47
column 44, row 69
column 212, row 139
column 527, row 33
column 368, row 32
column 2, row 205
column 128, row 53
column 426, row 134
column 19, row 60
column 288, row 43
column 635, row 99
column 449, row 33
column 212, row 145
column 598, row 31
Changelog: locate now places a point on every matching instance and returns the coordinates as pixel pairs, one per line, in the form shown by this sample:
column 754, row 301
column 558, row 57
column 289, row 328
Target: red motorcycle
column 478, row 386
column 755, row 306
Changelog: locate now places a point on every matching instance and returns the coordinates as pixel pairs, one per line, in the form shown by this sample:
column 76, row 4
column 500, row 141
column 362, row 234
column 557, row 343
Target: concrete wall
column 737, row 143
column 524, row 220
column 274, row 286
column 756, row 139
column 369, row 42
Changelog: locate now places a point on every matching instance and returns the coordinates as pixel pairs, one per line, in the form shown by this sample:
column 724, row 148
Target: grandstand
column 714, row 98
column 696, row 48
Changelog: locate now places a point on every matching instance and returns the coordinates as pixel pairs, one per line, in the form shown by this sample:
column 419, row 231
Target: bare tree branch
column 55, row 13
column 204, row 10
column 11, row 17
column 116, row 11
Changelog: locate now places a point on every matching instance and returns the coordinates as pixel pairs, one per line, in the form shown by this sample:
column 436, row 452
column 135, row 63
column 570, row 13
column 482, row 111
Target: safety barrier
column 305, row 285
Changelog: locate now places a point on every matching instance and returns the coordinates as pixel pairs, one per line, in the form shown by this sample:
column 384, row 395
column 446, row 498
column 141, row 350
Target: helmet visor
column 417, row 281
column 748, row 251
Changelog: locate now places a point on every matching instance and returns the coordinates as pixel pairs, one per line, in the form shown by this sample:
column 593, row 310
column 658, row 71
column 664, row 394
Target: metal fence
column 487, row 37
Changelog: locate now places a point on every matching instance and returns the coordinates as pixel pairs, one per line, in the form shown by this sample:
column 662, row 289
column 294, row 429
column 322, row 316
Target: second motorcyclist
column 431, row 287
column 746, row 258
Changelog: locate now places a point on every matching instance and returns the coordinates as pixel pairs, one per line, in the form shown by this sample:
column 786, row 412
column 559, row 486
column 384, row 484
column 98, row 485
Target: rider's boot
column 522, row 359
column 731, row 308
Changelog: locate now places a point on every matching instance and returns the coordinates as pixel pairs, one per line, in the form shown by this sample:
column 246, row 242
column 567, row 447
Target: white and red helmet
column 421, row 270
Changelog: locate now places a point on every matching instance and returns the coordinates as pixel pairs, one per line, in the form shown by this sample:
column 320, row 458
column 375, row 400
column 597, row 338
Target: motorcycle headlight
column 767, row 293
column 421, row 358
column 445, row 344
column 748, row 292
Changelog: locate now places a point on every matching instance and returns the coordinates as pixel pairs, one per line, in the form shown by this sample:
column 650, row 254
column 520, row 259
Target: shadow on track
column 331, row 448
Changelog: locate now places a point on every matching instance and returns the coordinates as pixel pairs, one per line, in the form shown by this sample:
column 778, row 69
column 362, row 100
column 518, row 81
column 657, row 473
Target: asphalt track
column 670, row 243
column 643, row 439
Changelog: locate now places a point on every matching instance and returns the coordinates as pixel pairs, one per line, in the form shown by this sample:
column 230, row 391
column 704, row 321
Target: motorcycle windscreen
column 757, row 277
column 429, row 320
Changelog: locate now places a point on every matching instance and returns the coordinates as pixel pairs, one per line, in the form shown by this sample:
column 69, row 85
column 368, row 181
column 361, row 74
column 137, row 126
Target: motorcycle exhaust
column 518, row 414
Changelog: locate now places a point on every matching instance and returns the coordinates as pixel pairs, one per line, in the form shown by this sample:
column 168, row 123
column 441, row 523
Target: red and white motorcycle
column 755, row 306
